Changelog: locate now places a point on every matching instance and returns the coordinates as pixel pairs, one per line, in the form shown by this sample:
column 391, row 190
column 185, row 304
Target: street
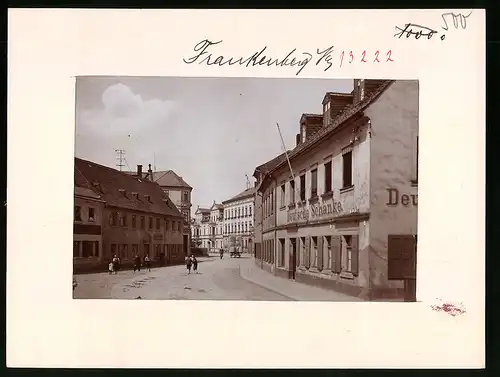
column 217, row 280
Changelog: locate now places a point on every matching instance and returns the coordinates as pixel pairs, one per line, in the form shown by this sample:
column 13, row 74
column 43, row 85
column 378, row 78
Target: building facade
column 201, row 227
column 179, row 192
column 87, row 225
column 238, row 226
column 137, row 219
column 207, row 227
column 345, row 217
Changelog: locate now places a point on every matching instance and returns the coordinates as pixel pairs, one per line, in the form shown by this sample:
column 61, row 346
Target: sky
column 210, row 131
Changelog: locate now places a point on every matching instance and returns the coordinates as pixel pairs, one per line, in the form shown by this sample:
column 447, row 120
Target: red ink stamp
column 450, row 309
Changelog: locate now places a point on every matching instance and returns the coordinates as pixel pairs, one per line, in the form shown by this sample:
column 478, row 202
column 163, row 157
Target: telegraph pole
column 120, row 156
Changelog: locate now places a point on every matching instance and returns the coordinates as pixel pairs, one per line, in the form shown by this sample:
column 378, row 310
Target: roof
column 87, row 193
column 118, row 189
column 269, row 165
column 165, row 178
column 306, row 116
column 348, row 113
column 242, row 195
column 333, row 94
column 202, row 209
column 216, row 206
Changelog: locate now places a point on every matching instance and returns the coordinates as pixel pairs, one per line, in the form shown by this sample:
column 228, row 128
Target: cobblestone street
column 226, row 279
column 217, row 280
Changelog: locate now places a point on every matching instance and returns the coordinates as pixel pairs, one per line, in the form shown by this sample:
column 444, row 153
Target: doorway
column 292, row 259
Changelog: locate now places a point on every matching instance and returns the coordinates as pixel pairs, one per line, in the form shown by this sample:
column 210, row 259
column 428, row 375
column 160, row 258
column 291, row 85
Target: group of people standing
column 192, row 262
column 114, row 265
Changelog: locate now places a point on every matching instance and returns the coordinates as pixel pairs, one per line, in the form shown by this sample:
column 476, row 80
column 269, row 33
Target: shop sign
column 317, row 211
column 395, row 198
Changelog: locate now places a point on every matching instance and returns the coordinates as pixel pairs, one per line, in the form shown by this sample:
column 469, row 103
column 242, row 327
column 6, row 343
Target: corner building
column 347, row 220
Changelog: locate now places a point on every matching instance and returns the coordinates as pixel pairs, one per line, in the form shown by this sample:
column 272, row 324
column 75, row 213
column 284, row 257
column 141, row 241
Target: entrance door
column 292, row 259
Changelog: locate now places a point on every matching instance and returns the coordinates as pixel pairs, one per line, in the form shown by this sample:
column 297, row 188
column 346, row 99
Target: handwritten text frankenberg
column 292, row 59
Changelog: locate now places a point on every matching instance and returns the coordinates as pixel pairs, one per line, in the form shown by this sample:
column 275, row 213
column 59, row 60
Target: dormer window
column 303, row 132
column 97, row 185
column 123, row 192
column 148, row 198
column 326, row 113
column 135, row 195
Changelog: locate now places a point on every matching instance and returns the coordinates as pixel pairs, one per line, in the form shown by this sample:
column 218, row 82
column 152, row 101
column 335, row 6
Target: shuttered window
column 402, row 256
column 336, row 254
column 320, row 253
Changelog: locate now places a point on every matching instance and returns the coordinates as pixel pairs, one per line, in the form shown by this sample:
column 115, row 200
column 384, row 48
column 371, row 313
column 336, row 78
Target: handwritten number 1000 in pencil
column 349, row 57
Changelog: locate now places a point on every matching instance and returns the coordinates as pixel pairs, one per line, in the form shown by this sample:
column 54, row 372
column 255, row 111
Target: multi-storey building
column 87, row 225
column 216, row 227
column 239, row 220
column 207, row 227
column 138, row 219
column 345, row 216
column 200, row 228
column 179, row 192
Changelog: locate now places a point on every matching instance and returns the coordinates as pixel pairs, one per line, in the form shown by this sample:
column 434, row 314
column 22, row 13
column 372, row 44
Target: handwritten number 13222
column 376, row 58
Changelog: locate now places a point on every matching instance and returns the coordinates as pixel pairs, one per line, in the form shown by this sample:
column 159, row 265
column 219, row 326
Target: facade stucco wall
column 394, row 129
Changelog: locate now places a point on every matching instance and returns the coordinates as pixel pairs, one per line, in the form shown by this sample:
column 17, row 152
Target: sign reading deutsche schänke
column 315, row 211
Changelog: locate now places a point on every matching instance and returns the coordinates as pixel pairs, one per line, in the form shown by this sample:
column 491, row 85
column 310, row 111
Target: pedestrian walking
column 188, row 264
column 195, row 264
column 137, row 263
column 111, row 267
column 221, row 253
column 116, row 264
column 147, row 261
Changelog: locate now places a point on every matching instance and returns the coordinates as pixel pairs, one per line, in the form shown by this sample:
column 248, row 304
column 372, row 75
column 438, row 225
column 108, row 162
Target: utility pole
column 120, row 156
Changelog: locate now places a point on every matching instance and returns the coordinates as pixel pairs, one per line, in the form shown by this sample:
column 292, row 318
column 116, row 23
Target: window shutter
column 308, row 252
column 336, row 254
column 320, row 253
column 355, row 255
column 401, row 252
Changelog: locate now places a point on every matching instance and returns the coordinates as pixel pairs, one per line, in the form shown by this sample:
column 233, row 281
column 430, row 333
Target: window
column 282, row 195
column 123, row 220
column 91, row 214
column 146, row 249
column 76, row 249
column 157, row 223
column 135, row 250
column 328, row 246
column 281, row 260
column 303, row 187
column 113, row 218
column 347, row 251
column 303, row 133
column 143, row 222
column 250, row 208
column 292, row 192
column 402, row 256
column 347, row 170
column 134, row 221
column 246, row 211
column 96, row 248
column 303, row 251
column 272, row 202
column 326, row 114
column 314, row 183
column 186, row 216
column 167, row 193
column 124, row 252
column 157, row 251
column 185, row 197
column 87, row 249
column 113, row 249
column 314, row 251
column 328, row 177
column 78, row 213
column 150, row 223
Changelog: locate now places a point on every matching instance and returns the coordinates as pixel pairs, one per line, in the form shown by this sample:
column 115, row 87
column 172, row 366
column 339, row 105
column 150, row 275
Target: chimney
column 297, row 140
column 139, row 171
column 150, row 172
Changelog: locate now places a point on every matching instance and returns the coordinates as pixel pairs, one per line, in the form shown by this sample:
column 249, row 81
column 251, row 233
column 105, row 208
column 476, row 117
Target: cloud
column 123, row 120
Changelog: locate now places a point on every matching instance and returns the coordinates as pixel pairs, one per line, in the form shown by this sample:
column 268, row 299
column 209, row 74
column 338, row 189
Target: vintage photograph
column 245, row 189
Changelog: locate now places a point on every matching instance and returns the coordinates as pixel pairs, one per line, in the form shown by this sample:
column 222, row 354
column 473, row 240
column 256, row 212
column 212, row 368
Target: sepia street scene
column 245, row 189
